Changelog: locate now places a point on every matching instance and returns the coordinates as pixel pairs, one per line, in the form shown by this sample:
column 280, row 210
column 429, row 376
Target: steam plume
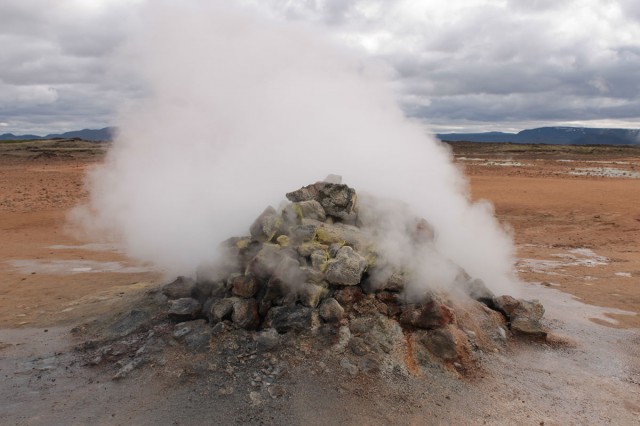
column 244, row 109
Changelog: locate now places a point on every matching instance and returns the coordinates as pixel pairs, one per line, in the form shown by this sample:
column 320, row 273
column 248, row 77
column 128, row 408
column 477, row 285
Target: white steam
column 243, row 110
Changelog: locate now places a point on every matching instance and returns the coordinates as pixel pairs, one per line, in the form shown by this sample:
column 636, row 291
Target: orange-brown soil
column 553, row 215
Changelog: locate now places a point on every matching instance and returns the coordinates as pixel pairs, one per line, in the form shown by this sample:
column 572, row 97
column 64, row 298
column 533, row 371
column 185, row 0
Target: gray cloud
column 459, row 65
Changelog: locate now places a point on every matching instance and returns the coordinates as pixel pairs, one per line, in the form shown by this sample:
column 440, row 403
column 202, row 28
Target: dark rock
column 291, row 318
column 338, row 200
column 243, row 285
column 346, row 268
column 266, row 226
column 181, row 288
column 427, row 316
column 330, row 310
column 245, row 314
column 221, row 309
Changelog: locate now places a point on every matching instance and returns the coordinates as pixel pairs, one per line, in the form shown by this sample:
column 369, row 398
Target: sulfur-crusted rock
column 266, row 225
column 346, row 268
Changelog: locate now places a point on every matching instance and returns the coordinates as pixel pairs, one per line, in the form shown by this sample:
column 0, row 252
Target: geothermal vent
column 309, row 277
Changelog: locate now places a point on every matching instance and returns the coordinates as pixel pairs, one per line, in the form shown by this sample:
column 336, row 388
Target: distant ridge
column 93, row 135
column 552, row 136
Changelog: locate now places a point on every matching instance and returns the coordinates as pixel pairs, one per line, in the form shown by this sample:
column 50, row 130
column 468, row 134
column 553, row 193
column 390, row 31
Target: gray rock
column 358, row 346
column 243, row 285
column 330, row 310
column 308, row 248
column 221, row 309
column 346, row 268
column 338, row 200
column 311, row 294
column 184, row 309
column 266, row 226
column 291, row 318
column 524, row 315
column 181, row 288
column 245, row 314
column 303, row 233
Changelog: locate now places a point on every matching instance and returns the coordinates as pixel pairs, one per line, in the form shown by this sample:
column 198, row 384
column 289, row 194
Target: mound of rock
column 309, row 269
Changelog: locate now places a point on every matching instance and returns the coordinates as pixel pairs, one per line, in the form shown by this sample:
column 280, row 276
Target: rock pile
column 308, row 268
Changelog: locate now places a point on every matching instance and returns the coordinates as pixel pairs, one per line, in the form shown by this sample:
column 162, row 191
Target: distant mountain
column 94, row 135
column 553, row 136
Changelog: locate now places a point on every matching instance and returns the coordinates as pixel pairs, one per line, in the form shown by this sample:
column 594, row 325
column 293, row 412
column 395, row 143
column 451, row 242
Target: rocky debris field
column 308, row 283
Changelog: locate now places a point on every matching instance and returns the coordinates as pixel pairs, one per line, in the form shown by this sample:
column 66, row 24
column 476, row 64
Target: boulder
column 524, row 315
column 184, row 309
column 338, row 200
column 319, row 259
column 204, row 290
column 291, row 318
column 309, row 209
column 330, row 310
column 447, row 343
column 265, row 261
column 180, row 288
column 346, row 268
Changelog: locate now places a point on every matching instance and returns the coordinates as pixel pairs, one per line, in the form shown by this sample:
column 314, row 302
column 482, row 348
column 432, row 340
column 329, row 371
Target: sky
column 456, row 65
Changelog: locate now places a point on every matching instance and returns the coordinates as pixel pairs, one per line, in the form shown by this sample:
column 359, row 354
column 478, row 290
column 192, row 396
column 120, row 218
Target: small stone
column 276, row 391
column 347, row 365
column 184, row 309
column 330, row 310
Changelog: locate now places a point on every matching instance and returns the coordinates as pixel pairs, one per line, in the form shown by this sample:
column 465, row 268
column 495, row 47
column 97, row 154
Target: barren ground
column 575, row 217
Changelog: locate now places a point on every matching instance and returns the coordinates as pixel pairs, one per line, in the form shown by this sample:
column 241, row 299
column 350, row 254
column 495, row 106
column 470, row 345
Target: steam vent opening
column 316, row 278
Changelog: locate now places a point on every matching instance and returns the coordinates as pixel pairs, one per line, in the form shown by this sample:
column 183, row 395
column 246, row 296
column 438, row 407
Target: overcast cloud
column 459, row 65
